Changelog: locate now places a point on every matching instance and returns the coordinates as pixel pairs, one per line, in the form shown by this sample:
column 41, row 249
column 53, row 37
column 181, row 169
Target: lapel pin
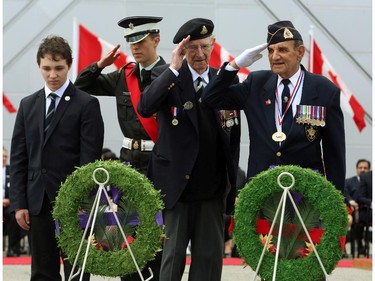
column 268, row 102
column 67, row 98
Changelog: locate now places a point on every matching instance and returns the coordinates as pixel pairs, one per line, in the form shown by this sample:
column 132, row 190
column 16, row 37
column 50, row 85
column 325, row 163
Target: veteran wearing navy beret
column 191, row 161
column 294, row 116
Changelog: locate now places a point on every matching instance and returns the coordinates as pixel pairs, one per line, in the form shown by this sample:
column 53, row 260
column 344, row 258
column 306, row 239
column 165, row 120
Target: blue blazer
column 256, row 97
column 40, row 164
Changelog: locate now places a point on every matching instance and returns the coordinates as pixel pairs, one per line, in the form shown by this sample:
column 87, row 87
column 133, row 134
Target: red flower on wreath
column 130, row 240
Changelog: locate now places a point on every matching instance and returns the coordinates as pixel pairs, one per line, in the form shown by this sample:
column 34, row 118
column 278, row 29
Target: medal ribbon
column 280, row 117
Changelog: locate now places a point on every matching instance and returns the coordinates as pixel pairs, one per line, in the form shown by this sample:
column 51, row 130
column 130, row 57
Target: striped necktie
column 199, row 88
column 50, row 112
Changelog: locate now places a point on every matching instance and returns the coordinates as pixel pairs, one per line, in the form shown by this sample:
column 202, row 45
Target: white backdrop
column 239, row 24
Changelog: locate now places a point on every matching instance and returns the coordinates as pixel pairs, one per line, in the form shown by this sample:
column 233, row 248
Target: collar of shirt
column 151, row 66
column 293, row 80
column 204, row 75
column 59, row 92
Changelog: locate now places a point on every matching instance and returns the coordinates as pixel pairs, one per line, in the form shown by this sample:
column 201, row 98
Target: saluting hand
column 249, row 56
column 109, row 57
column 178, row 54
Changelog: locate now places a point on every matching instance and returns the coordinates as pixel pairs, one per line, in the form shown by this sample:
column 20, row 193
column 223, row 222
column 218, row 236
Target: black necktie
column 288, row 115
column 50, row 112
column 199, row 88
column 146, row 78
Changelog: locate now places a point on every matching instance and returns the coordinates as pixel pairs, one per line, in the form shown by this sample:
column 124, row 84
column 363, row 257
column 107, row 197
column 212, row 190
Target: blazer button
column 187, row 177
column 278, row 154
column 44, row 171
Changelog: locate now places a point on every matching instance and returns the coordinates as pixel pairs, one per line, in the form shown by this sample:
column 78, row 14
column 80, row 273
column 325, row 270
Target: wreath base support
column 92, row 217
column 281, row 206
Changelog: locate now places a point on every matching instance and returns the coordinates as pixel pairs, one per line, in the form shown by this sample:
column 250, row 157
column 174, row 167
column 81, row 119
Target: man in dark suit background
column 57, row 129
column 308, row 132
column 351, row 186
column 363, row 196
column 10, row 226
column 191, row 162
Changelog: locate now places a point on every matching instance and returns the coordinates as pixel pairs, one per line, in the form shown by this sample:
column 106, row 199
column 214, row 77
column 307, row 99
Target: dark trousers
column 203, row 224
column 45, row 253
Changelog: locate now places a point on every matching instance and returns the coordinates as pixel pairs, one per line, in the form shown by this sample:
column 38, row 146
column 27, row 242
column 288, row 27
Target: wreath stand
column 281, row 206
column 92, row 217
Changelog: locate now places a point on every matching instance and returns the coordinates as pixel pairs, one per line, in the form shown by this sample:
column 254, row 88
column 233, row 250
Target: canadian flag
column 8, row 104
column 89, row 48
column 319, row 64
column 219, row 55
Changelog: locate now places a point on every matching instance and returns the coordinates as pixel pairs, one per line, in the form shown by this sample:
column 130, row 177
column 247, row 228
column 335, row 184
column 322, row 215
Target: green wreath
column 320, row 193
column 137, row 190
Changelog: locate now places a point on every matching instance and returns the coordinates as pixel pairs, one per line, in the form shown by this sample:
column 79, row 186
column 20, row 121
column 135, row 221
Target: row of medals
column 280, row 136
column 230, row 119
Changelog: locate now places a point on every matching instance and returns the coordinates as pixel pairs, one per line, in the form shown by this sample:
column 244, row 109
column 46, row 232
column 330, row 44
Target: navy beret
column 197, row 29
column 138, row 28
column 282, row 31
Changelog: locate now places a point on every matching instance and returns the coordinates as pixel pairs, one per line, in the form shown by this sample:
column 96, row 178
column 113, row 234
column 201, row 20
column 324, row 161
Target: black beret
column 197, row 29
column 139, row 27
column 282, row 31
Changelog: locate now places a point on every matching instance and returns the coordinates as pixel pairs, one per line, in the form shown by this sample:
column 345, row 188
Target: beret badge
column 204, row 30
column 288, row 34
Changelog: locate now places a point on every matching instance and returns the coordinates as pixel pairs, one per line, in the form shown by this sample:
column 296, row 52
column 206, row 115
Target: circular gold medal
column 279, row 136
column 174, row 122
column 322, row 123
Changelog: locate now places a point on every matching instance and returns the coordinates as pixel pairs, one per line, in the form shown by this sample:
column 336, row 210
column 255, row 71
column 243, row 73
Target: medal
column 229, row 123
column 175, row 111
column 279, row 136
column 188, row 105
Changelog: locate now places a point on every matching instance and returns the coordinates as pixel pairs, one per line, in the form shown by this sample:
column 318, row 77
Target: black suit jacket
column 256, row 97
column 351, row 185
column 40, row 164
column 364, row 198
column 176, row 150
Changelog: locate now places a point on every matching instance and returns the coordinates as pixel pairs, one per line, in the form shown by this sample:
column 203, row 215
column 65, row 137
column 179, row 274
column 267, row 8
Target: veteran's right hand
column 23, row 218
column 249, row 56
column 109, row 57
column 178, row 54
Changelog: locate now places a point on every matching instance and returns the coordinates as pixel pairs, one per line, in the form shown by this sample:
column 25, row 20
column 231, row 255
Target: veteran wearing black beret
column 191, row 161
column 294, row 116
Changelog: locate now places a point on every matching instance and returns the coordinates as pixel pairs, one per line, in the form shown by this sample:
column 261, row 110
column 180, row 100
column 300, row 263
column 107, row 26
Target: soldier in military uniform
column 142, row 35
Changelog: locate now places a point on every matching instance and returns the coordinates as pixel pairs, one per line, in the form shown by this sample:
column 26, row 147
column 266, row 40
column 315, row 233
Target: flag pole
column 75, row 49
column 311, row 54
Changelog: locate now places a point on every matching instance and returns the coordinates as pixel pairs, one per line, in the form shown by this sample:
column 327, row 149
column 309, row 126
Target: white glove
column 249, row 56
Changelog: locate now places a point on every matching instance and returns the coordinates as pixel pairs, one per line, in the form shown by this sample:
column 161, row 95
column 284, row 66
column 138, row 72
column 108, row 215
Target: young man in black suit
column 57, row 129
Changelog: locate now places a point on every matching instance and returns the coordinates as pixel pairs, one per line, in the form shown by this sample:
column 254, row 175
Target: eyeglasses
column 194, row 48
